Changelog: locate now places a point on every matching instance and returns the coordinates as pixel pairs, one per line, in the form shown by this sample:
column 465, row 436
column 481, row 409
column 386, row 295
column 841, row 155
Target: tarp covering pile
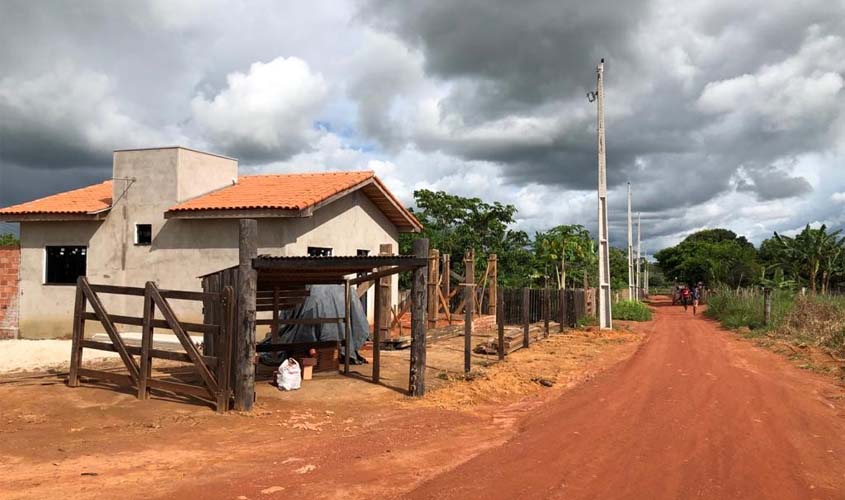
column 324, row 301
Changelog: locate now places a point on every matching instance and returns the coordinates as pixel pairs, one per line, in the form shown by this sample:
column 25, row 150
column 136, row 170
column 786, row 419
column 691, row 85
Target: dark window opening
column 319, row 252
column 65, row 264
column 143, row 234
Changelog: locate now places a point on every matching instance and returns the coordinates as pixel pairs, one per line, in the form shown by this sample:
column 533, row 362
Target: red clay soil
column 693, row 414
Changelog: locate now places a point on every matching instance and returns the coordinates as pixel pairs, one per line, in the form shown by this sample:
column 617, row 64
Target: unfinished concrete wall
column 181, row 250
column 10, row 258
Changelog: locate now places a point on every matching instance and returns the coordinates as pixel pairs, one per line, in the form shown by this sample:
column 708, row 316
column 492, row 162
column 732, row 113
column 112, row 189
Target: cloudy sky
column 720, row 113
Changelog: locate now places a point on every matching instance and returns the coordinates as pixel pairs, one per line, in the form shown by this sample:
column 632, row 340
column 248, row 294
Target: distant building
column 171, row 214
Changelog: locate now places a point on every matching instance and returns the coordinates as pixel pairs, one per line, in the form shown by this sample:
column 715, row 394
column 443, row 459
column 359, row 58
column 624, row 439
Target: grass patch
column 817, row 321
column 745, row 308
column 585, row 321
column 631, row 310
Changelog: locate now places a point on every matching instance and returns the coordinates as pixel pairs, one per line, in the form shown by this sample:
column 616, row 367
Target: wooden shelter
column 268, row 283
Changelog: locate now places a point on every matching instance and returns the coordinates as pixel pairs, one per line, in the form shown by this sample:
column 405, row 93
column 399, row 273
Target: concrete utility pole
column 604, row 302
column 638, row 257
column 631, row 290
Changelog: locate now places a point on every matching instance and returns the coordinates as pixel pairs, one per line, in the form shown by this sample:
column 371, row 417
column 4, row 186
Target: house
column 171, row 214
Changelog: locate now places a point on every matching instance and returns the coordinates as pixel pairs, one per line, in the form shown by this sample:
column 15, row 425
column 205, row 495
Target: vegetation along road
column 694, row 413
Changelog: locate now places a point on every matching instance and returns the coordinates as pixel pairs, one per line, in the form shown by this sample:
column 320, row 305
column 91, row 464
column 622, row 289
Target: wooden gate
column 213, row 371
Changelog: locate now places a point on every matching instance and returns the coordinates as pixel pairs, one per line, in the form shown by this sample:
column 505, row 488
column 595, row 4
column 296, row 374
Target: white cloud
column 838, row 198
column 267, row 112
column 802, row 87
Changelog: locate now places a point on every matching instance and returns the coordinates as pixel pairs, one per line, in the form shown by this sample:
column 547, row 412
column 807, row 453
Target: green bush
column 631, row 310
column 744, row 308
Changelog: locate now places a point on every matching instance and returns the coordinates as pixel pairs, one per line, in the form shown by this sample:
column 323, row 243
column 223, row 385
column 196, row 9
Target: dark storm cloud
column 523, row 59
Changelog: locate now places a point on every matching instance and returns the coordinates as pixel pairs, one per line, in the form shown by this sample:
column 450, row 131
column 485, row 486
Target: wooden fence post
column 386, row 284
column 767, row 306
column 347, row 326
column 571, row 313
column 493, row 269
column 500, row 321
column 469, row 306
column 561, row 309
column 416, row 383
column 146, row 343
column 78, row 335
column 526, row 315
column 433, row 275
column 377, row 322
column 245, row 334
column 546, row 310
column 446, row 284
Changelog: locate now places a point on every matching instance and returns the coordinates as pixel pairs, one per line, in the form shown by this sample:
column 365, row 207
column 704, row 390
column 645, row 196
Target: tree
column 713, row 256
column 454, row 224
column 813, row 254
column 8, row 239
column 568, row 251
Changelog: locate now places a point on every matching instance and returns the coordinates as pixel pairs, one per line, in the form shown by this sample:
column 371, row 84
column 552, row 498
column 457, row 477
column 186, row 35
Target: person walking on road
column 696, row 296
column 685, row 296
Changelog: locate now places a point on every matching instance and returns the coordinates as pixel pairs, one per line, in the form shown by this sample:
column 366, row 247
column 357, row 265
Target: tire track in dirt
column 694, row 413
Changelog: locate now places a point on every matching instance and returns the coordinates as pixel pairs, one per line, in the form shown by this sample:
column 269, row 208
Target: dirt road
column 693, row 414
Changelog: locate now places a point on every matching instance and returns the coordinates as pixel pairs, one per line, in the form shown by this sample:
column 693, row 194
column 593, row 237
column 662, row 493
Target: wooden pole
column 245, row 343
column 526, row 315
column 561, row 309
column 446, row 284
column 377, row 322
column 469, row 306
column 78, row 335
column 546, row 309
column 146, row 343
column 386, row 285
column 433, row 272
column 416, row 383
column 493, row 269
column 347, row 327
column 500, row 322
column 274, row 326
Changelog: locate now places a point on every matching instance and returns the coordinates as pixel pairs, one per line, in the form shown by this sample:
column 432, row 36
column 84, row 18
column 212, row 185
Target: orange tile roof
column 87, row 200
column 285, row 191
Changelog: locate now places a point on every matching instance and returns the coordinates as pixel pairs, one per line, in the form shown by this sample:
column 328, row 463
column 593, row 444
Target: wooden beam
column 347, row 326
column 469, row 306
column 546, row 311
column 526, row 315
column 431, row 295
column 184, row 339
column 500, row 323
column 377, row 322
column 416, row 379
column 146, row 344
column 108, row 325
column 385, row 300
column 561, row 309
column 445, row 284
column 78, row 335
column 493, row 268
column 245, row 336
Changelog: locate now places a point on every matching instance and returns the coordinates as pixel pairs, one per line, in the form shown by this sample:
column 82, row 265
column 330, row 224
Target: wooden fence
column 213, row 371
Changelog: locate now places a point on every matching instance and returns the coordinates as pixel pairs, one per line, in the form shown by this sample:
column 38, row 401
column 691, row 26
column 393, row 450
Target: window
column 64, row 264
column 143, row 234
column 319, row 252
